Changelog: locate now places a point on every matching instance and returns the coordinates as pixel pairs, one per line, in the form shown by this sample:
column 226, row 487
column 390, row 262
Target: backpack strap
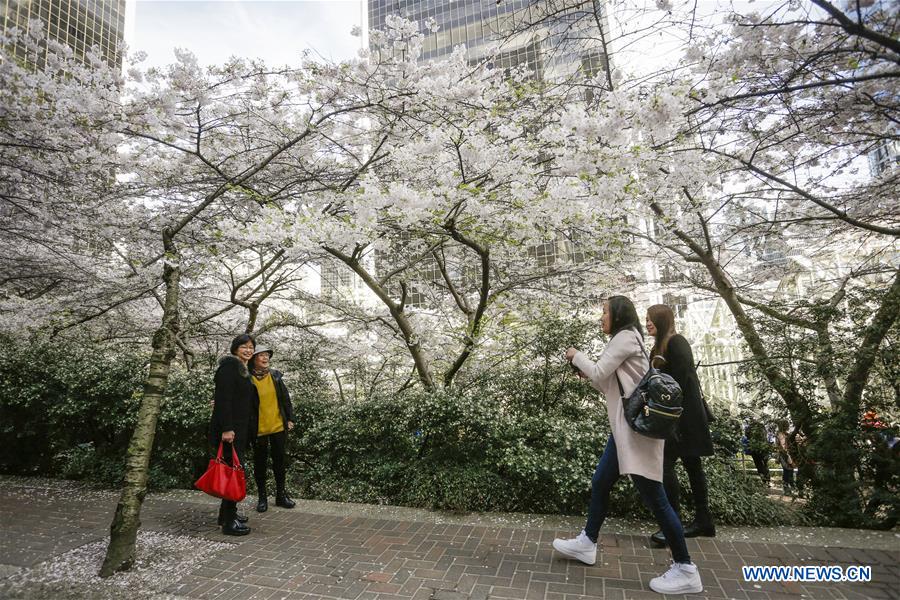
column 647, row 356
column 641, row 346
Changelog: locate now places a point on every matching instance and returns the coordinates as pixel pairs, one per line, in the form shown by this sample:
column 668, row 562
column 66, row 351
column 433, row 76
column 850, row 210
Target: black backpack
column 654, row 406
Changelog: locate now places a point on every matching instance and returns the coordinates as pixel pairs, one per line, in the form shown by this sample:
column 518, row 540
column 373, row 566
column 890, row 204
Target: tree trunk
column 873, row 335
column 410, row 337
column 825, row 365
column 797, row 406
column 123, row 532
column 475, row 317
column 413, row 345
column 843, row 493
column 251, row 318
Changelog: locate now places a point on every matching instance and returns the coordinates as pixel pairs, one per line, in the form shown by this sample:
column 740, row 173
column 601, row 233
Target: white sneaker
column 681, row 578
column 581, row 548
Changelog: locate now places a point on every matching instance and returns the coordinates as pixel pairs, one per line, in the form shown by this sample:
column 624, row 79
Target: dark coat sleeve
column 232, row 401
column 284, row 397
column 694, row 438
column 679, row 359
column 226, row 389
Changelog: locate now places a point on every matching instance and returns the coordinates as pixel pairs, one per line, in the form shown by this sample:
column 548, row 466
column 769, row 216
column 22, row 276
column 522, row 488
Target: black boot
column 235, row 527
column 239, row 517
column 263, row 504
column 658, row 540
column 697, row 529
column 703, row 524
column 282, row 500
column 231, row 525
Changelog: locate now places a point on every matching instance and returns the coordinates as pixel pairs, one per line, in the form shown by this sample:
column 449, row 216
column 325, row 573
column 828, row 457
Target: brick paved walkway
column 305, row 554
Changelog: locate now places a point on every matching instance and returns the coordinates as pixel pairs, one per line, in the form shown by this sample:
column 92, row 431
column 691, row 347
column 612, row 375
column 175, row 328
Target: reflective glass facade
column 470, row 22
column 553, row 46
column 80, row 24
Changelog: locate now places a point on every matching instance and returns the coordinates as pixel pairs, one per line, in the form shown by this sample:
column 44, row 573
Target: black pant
column 761, row 460
column 278, row 444
column 694, row 467
column 228, row 508
column 787, row 474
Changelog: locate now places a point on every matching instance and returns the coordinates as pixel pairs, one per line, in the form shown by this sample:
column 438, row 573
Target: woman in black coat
column 672, row 354
column 233, row 421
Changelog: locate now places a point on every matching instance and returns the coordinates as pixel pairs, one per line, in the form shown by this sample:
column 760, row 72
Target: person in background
column 275, row 420
column 782, row 446
column 627, row 452
column 232, row 418
column 883, row 447
column 759, row 448
column 672, row 355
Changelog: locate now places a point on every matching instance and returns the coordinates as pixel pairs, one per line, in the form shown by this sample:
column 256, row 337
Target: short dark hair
column 622, row 316
column 240, row 341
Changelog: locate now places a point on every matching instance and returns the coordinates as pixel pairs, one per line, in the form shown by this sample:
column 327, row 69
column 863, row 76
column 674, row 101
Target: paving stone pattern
column 295, row 554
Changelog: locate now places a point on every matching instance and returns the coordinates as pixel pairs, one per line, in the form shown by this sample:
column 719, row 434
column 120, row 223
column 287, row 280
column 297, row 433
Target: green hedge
column 461, row 451
column 526, row 439
column 68, row 410
column 502, row 447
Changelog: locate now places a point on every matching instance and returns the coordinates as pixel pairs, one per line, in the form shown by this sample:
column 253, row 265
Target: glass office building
column 550, row 40
column 80, row 24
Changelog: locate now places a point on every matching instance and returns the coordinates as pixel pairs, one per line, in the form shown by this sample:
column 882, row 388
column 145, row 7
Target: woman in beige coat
column 628, row 452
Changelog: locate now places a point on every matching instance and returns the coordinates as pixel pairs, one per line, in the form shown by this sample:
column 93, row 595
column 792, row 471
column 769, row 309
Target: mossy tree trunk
column 123, row 532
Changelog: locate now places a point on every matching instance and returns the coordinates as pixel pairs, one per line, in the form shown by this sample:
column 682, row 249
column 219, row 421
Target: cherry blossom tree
column 786, row 106
column 61, row 212
column 459, row 205
column 762, row 152
column 178, row 160
column 168, row 198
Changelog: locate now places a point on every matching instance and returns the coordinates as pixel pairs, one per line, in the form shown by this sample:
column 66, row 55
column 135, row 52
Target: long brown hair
column 663, row 319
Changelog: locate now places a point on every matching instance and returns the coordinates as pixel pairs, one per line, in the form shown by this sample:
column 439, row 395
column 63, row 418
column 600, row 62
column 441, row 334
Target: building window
column 885, row 155
column 677, row 303
column 592, row 64
column 669, row 274
column 544, row 254
column 576, row 247
column 336, row 279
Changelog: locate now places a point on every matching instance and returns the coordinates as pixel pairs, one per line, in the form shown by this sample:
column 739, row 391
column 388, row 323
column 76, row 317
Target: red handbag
column 222, row 480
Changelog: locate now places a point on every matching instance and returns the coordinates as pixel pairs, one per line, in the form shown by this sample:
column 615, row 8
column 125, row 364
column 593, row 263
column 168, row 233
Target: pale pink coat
column 638, row 454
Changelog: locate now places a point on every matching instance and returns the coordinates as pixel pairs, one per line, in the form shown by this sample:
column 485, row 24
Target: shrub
column 69, row 410
column 874, row 488
column 489, row 448
column 65, row 409
column 525, row 439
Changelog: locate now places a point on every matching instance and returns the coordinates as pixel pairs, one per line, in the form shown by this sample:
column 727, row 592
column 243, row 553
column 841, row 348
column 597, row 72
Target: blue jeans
column 652, row 494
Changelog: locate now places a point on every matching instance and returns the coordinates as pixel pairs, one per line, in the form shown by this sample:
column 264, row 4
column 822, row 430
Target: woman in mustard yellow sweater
column 276, row 418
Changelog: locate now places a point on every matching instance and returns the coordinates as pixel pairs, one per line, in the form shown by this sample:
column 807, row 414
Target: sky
column 274, row 30
column 279, row 30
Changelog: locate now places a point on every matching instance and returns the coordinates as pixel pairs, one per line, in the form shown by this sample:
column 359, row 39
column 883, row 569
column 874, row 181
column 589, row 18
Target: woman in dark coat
column 672, row 354
column 233, row 421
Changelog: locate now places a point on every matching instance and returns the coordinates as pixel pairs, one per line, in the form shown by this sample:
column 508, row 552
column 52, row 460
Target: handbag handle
column 235, row 462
